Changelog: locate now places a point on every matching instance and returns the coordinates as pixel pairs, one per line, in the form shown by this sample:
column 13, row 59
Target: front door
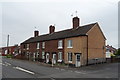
column 47, row 57
column 33, row 56
column 54, row 58
column 77, row 60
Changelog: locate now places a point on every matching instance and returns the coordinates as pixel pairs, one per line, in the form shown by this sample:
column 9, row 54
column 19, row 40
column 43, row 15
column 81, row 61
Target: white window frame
column 43, row 45
column 60, row 56
column 43, row 55
column 38, row 45
column 60, row 44
column 70, row 56
column 28, row 46
column 37, row 55
column 69, row 44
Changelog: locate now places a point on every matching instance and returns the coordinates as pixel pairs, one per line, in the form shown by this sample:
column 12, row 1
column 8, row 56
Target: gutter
column 87, row 52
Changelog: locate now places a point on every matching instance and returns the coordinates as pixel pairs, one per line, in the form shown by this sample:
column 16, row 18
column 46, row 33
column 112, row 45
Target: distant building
column 8, row 50
column 110, row 51
column 80, row 45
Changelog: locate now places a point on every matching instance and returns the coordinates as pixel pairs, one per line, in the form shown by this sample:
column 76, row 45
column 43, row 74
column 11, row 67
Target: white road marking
column 79, row 72
column 52, row 78
column 8, row 63
column 3, row 64
column 19, row 68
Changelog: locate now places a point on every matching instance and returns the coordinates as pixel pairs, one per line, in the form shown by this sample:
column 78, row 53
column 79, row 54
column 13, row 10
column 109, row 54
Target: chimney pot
column 75, row 22
column 36, row 33
column 51, row 29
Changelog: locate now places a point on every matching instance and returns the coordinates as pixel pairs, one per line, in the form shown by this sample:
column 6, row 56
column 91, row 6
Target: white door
column 54, row 58
column 77, row 60
column 33, row 56
column 47, row 57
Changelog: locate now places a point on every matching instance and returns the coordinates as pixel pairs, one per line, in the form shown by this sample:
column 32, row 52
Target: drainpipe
column 87, row 51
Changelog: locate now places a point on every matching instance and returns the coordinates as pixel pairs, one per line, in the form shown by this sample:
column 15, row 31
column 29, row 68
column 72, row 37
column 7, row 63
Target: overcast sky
column 19, row 18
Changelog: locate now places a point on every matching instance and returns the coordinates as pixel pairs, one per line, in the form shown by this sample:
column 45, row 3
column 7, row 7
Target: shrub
column 118, row 52
column 9, row 55
column 49, row 62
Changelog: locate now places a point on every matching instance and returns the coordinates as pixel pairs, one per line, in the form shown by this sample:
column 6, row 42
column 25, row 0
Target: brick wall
column 79, row 46
column 96, row 43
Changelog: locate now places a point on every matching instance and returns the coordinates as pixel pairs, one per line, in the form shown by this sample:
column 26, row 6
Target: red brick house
column 78, row 46
column 8, row 50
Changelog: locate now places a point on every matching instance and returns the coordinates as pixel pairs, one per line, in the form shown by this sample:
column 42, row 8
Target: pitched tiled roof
column 80, row 31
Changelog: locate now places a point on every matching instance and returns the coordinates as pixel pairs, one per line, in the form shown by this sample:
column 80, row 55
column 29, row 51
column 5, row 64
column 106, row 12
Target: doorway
column 47, row 57
column 78, row 64
column 54, row 58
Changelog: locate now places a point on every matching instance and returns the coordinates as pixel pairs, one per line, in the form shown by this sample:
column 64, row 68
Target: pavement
column 14, row 68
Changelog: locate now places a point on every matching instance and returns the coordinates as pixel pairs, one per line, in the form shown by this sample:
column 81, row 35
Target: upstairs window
column 69, row 44
column 38, row 45
column 43, row 45
column 27, row 46
column 60, row 44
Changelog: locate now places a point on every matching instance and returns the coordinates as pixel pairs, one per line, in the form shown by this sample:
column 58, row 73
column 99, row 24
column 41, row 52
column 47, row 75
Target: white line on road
column 4, row 64
column 79, row 72
column 8, row 63
column 19, row 68
column 52, row 78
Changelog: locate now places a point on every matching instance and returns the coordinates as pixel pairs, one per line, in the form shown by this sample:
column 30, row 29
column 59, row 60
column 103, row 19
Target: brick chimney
column 75, row 22
column 36, row 33
column 51, row 29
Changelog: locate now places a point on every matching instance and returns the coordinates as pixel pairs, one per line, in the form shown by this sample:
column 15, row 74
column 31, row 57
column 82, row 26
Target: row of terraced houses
column 78, row 46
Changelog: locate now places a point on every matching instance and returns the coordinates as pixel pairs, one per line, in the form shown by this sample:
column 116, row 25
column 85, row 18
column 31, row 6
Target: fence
column 103, row 60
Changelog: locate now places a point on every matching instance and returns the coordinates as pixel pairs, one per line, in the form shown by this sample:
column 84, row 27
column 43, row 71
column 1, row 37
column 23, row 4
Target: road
column 12, row 68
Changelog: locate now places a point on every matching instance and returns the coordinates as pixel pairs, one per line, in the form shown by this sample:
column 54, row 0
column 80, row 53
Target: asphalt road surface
column 12, row 68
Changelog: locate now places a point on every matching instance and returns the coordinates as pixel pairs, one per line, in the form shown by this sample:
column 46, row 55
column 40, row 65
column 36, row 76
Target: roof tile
column 80, row 31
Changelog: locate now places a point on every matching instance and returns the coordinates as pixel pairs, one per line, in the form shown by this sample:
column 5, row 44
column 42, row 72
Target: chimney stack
column 51, row 29
column 36, row 33
column 75, row 22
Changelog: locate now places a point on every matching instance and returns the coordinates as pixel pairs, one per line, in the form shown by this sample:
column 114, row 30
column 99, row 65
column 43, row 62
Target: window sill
column 59, row 61
column 60, row 47
column 38, row 48
column 69, row 61
column 69, row 47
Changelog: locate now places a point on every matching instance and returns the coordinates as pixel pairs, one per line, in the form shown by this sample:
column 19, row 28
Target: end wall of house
column 96, row 43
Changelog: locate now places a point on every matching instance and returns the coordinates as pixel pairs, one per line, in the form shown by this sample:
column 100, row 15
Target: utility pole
column 7, row 44
column 7, row 40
